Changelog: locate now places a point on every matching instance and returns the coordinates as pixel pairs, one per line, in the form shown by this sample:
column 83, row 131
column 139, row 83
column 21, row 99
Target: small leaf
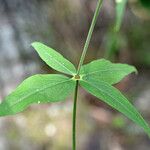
column 37, row 89
column 115, row 99
column 54, row 59
column 120, row 7
column 104, row 70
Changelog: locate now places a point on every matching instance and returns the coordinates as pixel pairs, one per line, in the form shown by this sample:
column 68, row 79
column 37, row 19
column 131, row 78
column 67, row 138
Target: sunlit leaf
column 54, row 59
column 115, row 99
column 104, row 70
column 37, row 89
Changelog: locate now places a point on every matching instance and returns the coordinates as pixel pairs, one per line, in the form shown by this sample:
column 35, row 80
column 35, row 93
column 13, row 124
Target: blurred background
column 63, row 25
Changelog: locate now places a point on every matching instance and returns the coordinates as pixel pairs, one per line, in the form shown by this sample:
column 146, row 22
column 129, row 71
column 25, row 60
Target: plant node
column 77, row 77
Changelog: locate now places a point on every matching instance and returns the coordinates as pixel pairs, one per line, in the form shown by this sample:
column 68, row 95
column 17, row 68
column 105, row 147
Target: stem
column 74, row 117
column 98, row 8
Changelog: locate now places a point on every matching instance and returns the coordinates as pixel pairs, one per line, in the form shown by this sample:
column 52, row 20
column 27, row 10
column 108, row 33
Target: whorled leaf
column 37, row 89
column 104, row 70
column 115, row 99
column 54, row 59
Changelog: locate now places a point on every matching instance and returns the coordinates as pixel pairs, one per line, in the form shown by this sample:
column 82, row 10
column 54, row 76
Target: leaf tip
column 135, row 70
column 34, row 44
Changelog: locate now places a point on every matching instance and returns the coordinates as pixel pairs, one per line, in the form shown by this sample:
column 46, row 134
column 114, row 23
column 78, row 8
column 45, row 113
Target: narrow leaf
column 115, row 99
column 37, row 89
column 54, row 59
column 104, row 70
column 120, row 7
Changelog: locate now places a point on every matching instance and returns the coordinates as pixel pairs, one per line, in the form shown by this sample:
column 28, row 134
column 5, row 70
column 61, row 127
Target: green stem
column 74, row 117
column 98, row 8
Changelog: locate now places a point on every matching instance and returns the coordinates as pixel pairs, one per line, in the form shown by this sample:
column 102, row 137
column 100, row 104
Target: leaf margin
column 6, row 106
column 70, row 71
column 142, row 123
column 84, row 70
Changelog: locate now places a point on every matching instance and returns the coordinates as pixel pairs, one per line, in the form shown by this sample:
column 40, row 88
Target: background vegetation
column 63, row 25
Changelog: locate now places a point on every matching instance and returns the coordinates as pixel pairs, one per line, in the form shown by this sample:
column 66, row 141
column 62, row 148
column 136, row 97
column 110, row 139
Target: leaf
column 37, row 89
column 120, row 7
column 115, row 99
column 104, row 70
column 54, row 59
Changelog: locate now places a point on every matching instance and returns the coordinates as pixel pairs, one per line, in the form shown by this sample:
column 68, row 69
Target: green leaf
column 104, row 70
column 115, row 99
column 37, row 89
column 54, row 59
column 120, row 8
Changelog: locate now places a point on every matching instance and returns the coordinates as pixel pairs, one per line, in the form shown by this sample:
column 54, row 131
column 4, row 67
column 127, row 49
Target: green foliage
column 112, row 45
column 120, row 7
column 37, row 89
column 103, row 70
column 115, row 99
column 96, row 77
column 114, row 39
column 54, row 59
column 145, row 3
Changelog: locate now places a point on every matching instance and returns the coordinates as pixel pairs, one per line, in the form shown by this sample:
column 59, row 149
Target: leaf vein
column 133, row 113
column 39, row 90
column 98, row 71
column 61, row 64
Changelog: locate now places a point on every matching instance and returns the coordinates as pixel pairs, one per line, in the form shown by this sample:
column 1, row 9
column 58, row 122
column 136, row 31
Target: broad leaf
column 104, row 70
column 115, row 99
column 120, row 7
column 37, row 89
column 54, row 59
